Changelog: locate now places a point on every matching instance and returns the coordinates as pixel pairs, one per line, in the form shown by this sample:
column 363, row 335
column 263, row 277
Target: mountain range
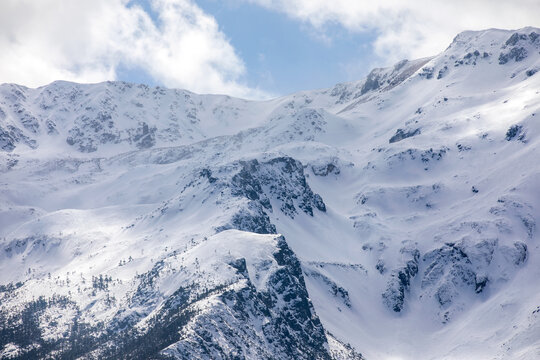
column 393, row 217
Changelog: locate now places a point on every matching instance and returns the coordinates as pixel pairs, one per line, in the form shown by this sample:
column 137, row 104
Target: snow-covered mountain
column 389, row 218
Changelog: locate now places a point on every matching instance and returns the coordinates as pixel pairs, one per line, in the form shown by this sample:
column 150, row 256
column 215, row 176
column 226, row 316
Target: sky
column 247, row 48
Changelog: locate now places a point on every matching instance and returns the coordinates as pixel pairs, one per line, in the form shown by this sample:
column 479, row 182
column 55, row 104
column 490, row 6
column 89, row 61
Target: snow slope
column 144, row 221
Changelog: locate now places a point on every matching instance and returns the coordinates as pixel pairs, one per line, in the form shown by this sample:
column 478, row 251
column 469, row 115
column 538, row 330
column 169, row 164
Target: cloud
column 410, row 29
column 89, row 40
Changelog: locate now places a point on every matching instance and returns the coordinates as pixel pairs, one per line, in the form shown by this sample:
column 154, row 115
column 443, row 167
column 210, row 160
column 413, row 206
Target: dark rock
column 531, row 72
column 240, row 266
column 51, row 128
column 481, row 283
column 447, row 268
column 427, row 72
column 403, row 134
column 400, row 283
column 324, row 170
column 517, row 253
column 431, row 154
column 512, row 40
column 307, row 339
column 516, row 53
column 246, row 182
column 457, row 266
column 380, row 267
column 462, row 147
column 372, row 83
column 442, row 72
column 144, row 137
column 529, row 224
column 7, row 141
column 30, row 122
column 78, row 137
column 253, row 219
column 11, row 136
column 515, row 131
column 207, row 173
column 346, row 352
column 334, row 289
column 342, row 92
column 281, row 178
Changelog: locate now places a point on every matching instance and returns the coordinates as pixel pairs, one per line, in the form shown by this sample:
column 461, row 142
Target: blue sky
column 246, row 48
column 281, row 54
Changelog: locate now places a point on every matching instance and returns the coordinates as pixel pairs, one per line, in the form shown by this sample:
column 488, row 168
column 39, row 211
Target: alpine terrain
column 395, row 217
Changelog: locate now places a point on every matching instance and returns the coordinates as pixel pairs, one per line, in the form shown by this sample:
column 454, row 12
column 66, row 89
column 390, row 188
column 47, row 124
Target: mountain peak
column 495, row 38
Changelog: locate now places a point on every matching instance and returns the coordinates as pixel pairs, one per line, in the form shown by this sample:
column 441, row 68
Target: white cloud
column 410, row 29
column 87, row 40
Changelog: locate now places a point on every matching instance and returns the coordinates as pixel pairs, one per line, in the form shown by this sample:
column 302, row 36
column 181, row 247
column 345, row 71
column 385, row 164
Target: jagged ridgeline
column 391, row 217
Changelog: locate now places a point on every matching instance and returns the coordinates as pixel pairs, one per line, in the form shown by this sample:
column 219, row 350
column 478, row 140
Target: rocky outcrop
column 515, row 132
column 403, row 134
column 517, row 44
column 236, row 315
column 281, row 179
column 400, row 282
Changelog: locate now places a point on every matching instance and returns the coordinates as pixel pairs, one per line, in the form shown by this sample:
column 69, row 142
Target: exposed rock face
column 400, row 282
column 448, row 270
column 233, row 316
column 325, row 168
column 515, row 131
column 281, row 179
column 377, row 80
column 455, row 267
column 403, row 134
column 516, row 52
column 286, row 322
column 251, row 218
column 10, row 136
